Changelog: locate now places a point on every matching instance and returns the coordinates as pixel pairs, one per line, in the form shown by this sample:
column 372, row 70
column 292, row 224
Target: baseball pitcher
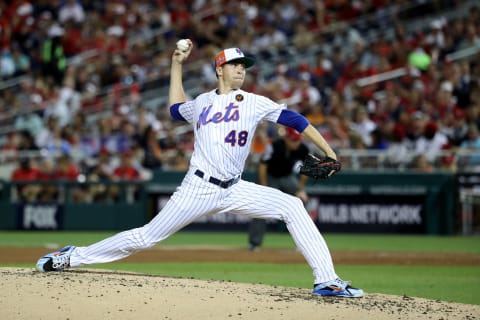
column 224, row 121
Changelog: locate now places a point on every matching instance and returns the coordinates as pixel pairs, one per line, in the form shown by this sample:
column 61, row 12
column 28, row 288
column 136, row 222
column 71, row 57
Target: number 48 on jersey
column 233, row 139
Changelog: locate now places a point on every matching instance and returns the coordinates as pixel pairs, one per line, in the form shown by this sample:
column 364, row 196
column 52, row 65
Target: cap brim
column 247, row 61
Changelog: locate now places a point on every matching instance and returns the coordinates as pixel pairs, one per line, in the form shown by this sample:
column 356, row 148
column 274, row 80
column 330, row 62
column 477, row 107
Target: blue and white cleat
column 55, row 261
column 337, row 288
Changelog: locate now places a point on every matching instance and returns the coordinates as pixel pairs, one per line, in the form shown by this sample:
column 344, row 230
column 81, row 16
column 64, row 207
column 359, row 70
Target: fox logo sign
column 40, row 217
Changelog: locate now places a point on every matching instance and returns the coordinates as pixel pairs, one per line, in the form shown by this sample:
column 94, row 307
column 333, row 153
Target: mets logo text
column 231, row 114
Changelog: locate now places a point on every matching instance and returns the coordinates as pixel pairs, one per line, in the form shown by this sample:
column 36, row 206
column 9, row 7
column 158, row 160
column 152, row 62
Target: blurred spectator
column 268, row 39
column 464, row 84
column 421, row 163
column 303, row 37
column 280, row 85
column 68, row 102
column 304, row 93
column 126, row 170
column 29, row 121
column 59, row 143
column 53, row 57
column 102, row 171
column 73, row 41
column 473, row 112
column 66, row 169
column 170, row 140
column 49, row 191
column 179, row 161
column 260, row 142
column 126, row 91
column 151, row 150
column 7, row 64
column 314, row 115
column 106, row 137
column 378, row 140
column 324, row 75
column 47, row 133
column 455, row 126
column 445, row 100
column 8, row 150
column 471, row 38
column 448, row 162
column 472, row 144
column 20, row 60
column 24, row 174
column 431, row 143
column 335, row 132
column 398, row 151
column 362, row 125
column 27, row 142
column 143, row 118
column 125, row 137
column 415, row 128
column 86, row 142
column 73, row 137
column 71, row 10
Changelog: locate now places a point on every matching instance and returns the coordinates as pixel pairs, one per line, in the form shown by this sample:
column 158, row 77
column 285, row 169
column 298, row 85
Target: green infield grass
column 448, row 283
column 355, row 242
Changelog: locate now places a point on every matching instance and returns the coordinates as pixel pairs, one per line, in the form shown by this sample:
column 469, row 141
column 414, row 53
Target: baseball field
column 213, row 276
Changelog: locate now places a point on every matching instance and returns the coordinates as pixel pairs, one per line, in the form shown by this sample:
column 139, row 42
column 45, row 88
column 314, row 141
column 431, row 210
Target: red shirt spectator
column 66, row 169
column 180, row 15
column 126, row 170
column 72, row 42
column 25, row 172
column 5, row 33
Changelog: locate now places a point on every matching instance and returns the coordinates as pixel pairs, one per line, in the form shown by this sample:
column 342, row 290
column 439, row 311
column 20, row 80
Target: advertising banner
column 39, row 216
column 383, row 214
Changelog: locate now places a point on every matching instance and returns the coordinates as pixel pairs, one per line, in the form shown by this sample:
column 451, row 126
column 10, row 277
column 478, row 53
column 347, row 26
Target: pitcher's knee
column 296, row 203
column 141, row 239
column 295, row 207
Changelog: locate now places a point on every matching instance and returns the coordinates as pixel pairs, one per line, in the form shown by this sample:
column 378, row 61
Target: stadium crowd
column 65, row 63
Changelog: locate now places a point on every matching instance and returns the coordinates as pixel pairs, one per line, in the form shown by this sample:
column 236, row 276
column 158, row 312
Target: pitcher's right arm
column 176, row 94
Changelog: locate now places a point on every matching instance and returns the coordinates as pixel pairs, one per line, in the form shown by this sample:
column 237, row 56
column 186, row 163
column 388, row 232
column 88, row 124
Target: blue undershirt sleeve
column 293, row 119
column 175, row 113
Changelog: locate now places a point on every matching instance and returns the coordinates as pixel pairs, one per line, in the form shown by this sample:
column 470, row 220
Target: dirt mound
column 95, row 294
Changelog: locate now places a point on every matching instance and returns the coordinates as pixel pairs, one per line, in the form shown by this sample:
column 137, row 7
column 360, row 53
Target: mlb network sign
column 39, row 216
column 368, row 214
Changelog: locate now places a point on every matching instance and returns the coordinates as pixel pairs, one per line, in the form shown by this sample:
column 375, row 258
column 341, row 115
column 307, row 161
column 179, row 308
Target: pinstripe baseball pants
column 196, row 197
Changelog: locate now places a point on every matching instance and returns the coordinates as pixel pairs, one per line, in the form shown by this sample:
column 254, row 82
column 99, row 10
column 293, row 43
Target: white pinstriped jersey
column 224, row 126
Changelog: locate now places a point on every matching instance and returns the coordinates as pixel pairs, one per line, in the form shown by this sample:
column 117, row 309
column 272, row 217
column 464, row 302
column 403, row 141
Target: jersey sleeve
column 268, row 109
column 186, row 110
column 293, row 119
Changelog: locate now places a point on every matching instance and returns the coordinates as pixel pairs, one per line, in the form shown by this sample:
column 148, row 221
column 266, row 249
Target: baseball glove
column 319, row 167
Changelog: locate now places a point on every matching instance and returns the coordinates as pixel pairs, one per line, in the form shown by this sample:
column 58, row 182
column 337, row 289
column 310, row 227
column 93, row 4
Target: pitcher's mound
column 98, row 294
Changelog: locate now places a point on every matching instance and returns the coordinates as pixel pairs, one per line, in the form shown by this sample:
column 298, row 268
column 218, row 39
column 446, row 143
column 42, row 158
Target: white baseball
column 182, row 44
